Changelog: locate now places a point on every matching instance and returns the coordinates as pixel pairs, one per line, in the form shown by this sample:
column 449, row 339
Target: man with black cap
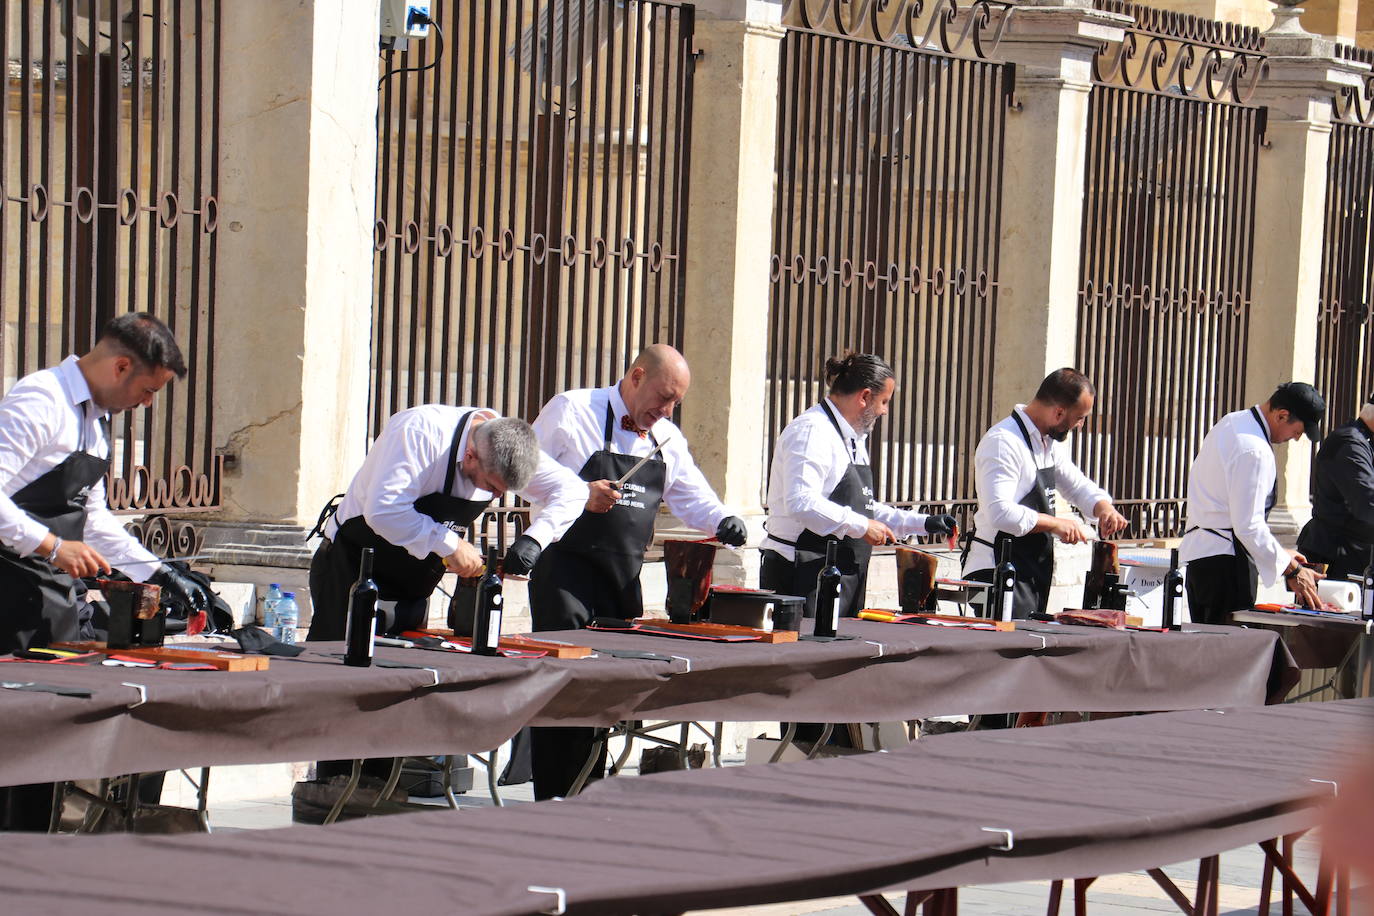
column 1227, row 544
column 1341, row 532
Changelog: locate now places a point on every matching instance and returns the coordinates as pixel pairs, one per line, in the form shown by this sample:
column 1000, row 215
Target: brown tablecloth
column 314, row 707
column 1079, row 800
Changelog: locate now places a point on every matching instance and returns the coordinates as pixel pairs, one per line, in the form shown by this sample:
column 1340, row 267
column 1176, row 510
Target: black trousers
column 781, row 575
column 1219, row 586
column 331, row 577
column 778, row 573
column 566, row 592
column 557, row 755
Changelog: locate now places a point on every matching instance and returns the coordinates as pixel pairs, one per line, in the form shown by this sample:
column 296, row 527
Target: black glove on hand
column 731, row 531
column 181, row 588
column 521, row 556
column 941, row 524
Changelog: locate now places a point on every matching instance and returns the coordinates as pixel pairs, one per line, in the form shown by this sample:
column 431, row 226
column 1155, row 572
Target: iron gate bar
column 558, row 266
column 1167, row 251
column 1344, row 346
column 888, row 205
column 94, row 237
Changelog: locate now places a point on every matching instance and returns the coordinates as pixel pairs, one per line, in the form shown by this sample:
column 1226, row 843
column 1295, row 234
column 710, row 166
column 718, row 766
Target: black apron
column 593, row 569
column 1220, row 585
column 855, row 490
column 1032, row 554
column 41, row 599
column 400, row 577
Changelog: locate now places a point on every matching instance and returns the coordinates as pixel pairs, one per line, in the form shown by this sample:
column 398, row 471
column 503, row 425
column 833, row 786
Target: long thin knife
column 643, row 461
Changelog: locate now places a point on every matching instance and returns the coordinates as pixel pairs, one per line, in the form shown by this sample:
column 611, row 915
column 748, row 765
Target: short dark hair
column 146, row 339
column 856, row 371
column 1063, row 388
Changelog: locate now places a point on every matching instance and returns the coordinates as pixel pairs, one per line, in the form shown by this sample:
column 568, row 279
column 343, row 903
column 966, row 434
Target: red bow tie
column 629, row 426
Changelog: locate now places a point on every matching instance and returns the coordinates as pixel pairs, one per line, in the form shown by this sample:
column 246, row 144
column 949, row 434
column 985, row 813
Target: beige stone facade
column 295, row 287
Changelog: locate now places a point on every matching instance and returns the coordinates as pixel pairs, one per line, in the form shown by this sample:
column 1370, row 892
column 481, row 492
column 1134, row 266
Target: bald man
column 593, row 571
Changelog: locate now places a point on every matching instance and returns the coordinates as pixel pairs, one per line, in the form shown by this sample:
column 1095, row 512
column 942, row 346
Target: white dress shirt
column 809, row 460
column 1228, row 484
column 47, row 416
column 410, row 460
column 572, row 426
column 1005, row 471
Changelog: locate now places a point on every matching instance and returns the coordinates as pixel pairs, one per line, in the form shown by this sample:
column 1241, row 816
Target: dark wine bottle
column 362, row 615
column 828, row 594
column 1368, row 596
column 486, row 622
column 1173, row 593
column 1003, row 583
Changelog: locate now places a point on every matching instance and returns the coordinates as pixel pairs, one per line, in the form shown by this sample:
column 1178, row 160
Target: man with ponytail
column 820, row 488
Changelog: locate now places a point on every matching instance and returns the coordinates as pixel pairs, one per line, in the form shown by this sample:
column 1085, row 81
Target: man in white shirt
column 1227, row 545
column 602, row 434
column 820, row 489
column 429, row 475
column 1019, row 467
column 55, row 524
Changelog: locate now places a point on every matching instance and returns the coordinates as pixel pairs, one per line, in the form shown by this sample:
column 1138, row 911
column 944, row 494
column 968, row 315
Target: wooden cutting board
column 523, row 642
column 224, row 661
column 705, row 628
column 980, row 623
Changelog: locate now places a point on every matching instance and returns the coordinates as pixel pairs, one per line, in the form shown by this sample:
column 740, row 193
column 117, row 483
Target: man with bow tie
column 603, row 434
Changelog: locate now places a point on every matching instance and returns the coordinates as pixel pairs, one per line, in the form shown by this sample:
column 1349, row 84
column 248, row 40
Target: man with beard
column 820, row 489
column 1019, row 467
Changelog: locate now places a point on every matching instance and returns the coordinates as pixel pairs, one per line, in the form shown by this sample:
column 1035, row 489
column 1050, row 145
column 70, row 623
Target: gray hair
column 1367, row 410
column 507, row 448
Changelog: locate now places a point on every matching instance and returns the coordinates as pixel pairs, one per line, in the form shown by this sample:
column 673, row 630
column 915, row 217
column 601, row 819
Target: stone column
column 1290, row 195
column 294, row 288
column 729, row 239
column 1052, row 46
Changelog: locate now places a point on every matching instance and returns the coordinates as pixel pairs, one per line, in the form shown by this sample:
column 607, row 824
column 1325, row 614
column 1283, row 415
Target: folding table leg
column 914, row 899
column 788, row 733
column 392, row 779
column 1056, row 894
column 203, row 799
column 1324, row 885
column 1266, row 887
column 1289, row 842
column 1180, row 900
column 821, row 742
column 1080, row 895
column 347, row 792
column 878, row 905
column 59, row 796
column 592, row 758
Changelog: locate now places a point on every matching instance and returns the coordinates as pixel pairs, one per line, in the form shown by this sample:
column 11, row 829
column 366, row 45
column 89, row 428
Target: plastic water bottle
column 288, row 616
column 269, row 607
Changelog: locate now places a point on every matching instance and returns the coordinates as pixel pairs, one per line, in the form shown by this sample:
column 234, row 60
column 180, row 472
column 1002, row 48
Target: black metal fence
column 531, row 204
column 886, row 225
column 1168, row 226
column 531, row 200
column 109, row 127
column 1345, row 345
